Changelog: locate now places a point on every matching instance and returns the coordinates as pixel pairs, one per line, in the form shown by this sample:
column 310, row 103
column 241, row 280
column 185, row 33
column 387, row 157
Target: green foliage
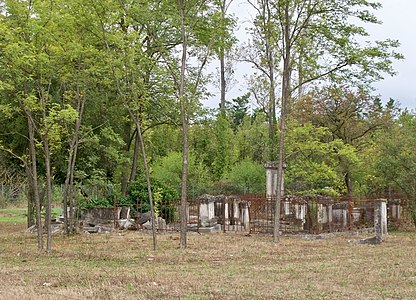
column 100, row 156
column 396, row 162
column 251, row 139
column 164, row 198
column 91, row 203
column 314, row 160
column 223, row 144
column 168, row 170
column 238, row 110
column 114, row 56
column 247, row 177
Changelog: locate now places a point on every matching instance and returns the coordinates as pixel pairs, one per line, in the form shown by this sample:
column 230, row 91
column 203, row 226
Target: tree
column 29, row 52
column 329, row 24
column 238, row 110
column 168, row 170
column 247, row 176
column 313, row 160
column 263, row 53
column 193, row 22
column 350, row 116
column 223, row 42
column 396, row 162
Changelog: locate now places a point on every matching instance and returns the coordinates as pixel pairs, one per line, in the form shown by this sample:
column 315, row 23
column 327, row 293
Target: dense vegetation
column 104, row 92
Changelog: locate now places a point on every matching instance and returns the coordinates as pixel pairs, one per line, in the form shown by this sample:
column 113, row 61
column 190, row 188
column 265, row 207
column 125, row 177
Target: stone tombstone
column 207, row 210
column 245, row 216
column 321, row 214
column 236, row 210
column 356, row 215
column 329, row 213
column 340, row 214
column 286, row 207
column 380, row 218
column 271, row 178
column 300, row 211
column 395, row 209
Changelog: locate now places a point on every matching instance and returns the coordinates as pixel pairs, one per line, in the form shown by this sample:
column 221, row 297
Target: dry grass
column 215, row 266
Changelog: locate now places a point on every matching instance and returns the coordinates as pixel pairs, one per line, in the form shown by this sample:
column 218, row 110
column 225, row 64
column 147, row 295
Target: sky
column 398, row 23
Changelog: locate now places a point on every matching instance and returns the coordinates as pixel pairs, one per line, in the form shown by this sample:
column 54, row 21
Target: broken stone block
column 143, row 218
column 126, row 224
column 160, row 224
column 100, row 215
column 369, row 241
column 104, row 229
column 90, row 229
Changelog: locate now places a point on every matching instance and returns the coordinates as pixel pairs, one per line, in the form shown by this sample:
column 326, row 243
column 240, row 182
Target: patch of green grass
column 19, row 215
column 13, row 215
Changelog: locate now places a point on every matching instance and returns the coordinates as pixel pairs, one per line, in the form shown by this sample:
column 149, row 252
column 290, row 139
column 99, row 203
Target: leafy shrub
column 107, row 202
column 247, row 177
column 164, row 198
column 168, row 171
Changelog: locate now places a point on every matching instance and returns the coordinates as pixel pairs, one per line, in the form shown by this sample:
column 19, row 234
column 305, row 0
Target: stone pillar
column 322, row 218
column 246, row 217
column 380, row 218
column 271, row 178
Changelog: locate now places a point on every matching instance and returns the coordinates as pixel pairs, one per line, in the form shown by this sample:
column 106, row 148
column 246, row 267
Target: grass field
column 18, row 215
column 122, row 265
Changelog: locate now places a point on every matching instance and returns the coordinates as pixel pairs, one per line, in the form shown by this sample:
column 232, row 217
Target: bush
column 247, row 177
column 168, row 170
column 107, row 202
column 164, row 198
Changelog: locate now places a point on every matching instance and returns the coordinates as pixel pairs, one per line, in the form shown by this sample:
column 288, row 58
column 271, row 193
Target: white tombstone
column 245, row 217
column 380, row 218
column 271, row 178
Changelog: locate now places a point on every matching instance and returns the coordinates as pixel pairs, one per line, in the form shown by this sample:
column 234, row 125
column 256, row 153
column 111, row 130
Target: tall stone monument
column 380, row 218
column 271, row 178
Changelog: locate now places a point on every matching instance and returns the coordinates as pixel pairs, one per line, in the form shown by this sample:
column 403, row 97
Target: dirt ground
column 122, row 265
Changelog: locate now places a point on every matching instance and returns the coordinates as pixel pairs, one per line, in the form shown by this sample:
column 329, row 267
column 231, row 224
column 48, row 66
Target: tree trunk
column 30, row 200
column 69, row 179
column 272, row 91
column 72, row 219
column 285, row 100
column 66, row 191
column 222, row 78
column 183, row 108
column 348, row 184
column 223, row 86
column 48, row 194
column 47, row 153
column 34, row 175
column 125, row 174
column 147, row 173
column 137, row 145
